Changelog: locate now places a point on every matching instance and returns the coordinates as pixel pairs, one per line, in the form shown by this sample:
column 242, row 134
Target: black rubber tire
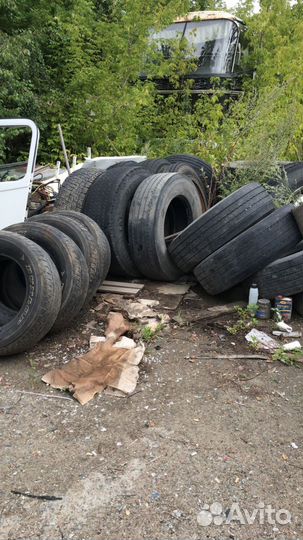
column 156, row 166
column 294, row 172
column 100, row 238
column 191, row 172
column 42, row 301
column 128, row 163
column 298, row 303
column 73, row 191
column 249, row 252
column 220, row 224
column 108, row 203
column 203, row 168
column 84, row 240
column 70, row 263
column 163, row 205
column 283, row 276
column 298, row 215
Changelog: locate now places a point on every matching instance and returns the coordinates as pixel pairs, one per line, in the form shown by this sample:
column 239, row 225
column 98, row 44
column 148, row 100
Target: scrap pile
column 157, row 219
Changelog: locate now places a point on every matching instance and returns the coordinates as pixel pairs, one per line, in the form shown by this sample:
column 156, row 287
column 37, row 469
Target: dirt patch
column 197, row 432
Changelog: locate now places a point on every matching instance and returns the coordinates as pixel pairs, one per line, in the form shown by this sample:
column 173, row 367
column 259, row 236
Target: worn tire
column 73, row 191
column 70, row 263
column 294, row 172
column 163, row 205
column 249, row 252
column 298, row 215
column 93, row 228
column 298, row 303
column 191, row 172
column 108, row 203
column 220, row 224
column 283, row 276
column 156, row 166
column 203, row 168
column 42, row 300
column 84, row 240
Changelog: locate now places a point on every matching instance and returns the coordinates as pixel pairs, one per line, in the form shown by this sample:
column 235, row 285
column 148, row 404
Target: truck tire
column 42, row 294
column 163, row 205
column 298, row 303
column 156, row 166
column 69, row 261
column 283, row 276
column 220, row 224
column 99, row 236
column 187, row 170
column 84, row 241
column 73, row 191
column 249, row 252
column 298, row 215
column 108, row 203
column 294, row 172
column 203, row 168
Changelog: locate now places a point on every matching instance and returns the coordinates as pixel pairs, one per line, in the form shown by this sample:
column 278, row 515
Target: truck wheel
column 156, row 166
column 69, row 261
column 108, row 203
column 220, row 224
column 298, row 303
column 73, row 191
column 41, row 301
column 298, row 215
column 249, row 252
column 84, row 241
column 284, row 276
column 163, row 205
column 203, row 168
column 191, row 172
column 100, row 238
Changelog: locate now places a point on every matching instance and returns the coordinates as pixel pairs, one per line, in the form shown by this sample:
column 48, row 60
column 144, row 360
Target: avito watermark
column 262, row 513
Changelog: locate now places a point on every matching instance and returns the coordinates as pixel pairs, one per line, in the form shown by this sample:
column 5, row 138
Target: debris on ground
column 106, row 365
column 263, row 340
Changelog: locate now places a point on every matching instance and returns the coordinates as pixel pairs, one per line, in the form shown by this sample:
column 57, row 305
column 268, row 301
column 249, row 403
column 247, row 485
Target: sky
column 232, row 3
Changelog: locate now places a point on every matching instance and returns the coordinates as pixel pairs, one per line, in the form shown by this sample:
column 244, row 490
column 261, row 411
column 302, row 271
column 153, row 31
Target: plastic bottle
column 253, row 294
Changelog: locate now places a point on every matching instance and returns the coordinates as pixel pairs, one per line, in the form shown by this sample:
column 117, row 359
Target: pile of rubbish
column 157, row 219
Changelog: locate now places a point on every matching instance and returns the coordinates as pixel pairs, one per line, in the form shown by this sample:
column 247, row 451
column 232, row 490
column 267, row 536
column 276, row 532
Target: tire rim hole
column 178, row 216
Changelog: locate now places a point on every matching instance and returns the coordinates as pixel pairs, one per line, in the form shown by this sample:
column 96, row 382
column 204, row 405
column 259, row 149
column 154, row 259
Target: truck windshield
column 213, row 43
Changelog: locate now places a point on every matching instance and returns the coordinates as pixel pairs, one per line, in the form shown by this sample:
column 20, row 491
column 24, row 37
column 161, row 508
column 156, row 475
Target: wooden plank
column 118, row 290
column 124, row 284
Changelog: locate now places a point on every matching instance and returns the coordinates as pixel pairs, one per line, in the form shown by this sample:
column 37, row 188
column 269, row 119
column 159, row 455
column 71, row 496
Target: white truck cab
column 16, row 188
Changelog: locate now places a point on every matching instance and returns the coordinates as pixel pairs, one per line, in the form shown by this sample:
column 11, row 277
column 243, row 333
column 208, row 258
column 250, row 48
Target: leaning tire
column 220, row 224
column 163, row 205
column 298, row 215
column 191, row 172
column 249, row 252
column 70, row 263
column 156, row 166
column 99, row 236
column 42, row 299
column 203, row 168
column 108, row 202
column 84, row 241
column 73, row 191
column 298, row 303
column 284, row 276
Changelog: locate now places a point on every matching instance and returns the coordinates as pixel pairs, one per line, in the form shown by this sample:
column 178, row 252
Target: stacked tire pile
column 51, row 267
column 242, row 238
column 141, row 207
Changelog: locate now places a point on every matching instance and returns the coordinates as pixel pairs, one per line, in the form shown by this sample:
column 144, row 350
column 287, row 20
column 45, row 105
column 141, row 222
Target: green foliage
column 148, row 334
column 78, row 62
column 246, row 320
column 288, row 358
